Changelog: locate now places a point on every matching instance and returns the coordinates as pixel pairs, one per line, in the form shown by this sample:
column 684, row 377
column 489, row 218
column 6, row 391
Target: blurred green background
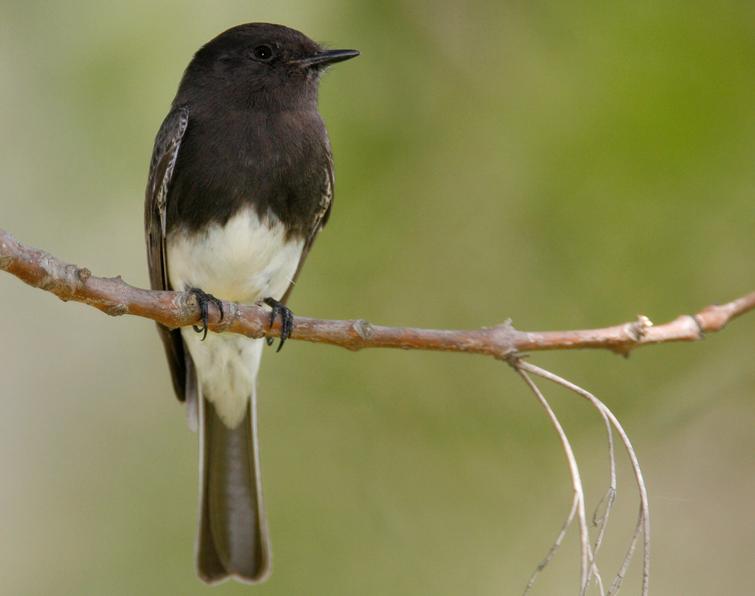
column 564, row 164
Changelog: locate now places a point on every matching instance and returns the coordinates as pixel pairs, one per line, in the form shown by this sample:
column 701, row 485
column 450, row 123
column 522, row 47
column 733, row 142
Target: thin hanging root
column 601, row 521
column 598, row 520
column 554, row 547
column 588, row 567
column 643, row 521
column 621, row 573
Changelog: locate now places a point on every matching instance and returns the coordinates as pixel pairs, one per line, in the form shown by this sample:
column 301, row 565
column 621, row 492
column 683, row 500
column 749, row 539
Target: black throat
column 275, row 161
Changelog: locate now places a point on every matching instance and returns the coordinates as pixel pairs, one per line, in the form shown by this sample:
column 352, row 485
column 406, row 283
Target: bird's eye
column 263, row 53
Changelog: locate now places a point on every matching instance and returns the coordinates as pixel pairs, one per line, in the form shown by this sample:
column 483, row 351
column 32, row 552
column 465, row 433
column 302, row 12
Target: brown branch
column 179, row 309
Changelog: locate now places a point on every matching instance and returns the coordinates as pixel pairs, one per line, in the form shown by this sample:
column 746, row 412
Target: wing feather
column 164, row 156
column 321, row 218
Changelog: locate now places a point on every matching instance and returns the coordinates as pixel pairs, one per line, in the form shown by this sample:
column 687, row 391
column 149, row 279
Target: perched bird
column 240, row 184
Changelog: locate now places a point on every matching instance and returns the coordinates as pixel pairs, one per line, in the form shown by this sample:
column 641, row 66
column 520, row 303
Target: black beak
column 327, row 57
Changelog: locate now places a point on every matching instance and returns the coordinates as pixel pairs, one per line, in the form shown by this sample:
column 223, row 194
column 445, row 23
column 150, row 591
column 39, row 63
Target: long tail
column 233, row 539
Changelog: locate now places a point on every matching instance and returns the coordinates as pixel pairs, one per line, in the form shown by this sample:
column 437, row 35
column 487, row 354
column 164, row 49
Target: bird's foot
column 203, row 299
column 286, row 317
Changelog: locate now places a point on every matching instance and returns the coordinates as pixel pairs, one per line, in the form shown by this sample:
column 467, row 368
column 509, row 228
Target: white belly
column 246, row 260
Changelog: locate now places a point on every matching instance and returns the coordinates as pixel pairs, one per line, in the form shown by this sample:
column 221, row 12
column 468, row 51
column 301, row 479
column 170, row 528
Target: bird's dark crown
column 257, row 65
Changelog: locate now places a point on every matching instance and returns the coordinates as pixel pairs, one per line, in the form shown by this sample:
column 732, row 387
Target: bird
column 240, row 185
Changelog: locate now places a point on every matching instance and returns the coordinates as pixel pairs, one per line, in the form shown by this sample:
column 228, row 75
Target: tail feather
column 233, row 539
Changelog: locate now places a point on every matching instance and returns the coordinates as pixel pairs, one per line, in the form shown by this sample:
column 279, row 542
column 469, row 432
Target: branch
column 179, row 309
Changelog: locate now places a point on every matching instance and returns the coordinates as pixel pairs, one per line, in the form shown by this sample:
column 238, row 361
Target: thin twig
column 178, row 309
column 621, row 573
column 643, row 522
column 587, row 560
column 554, row 547
column 601, row 521
column 598, row 520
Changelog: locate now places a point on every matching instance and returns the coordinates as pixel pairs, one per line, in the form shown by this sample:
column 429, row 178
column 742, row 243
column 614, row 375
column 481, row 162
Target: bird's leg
column 286, row 317
column 203, row 299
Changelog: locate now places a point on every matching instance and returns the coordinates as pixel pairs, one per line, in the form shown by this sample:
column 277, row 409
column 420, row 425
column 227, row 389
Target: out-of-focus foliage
column 563, row 163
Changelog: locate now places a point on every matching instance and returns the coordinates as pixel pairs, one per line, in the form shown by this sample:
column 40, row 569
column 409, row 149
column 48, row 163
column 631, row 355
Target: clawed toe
column 286, row 317
column 203, row 299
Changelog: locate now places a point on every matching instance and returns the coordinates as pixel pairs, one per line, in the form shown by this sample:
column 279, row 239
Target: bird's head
column 259, row 64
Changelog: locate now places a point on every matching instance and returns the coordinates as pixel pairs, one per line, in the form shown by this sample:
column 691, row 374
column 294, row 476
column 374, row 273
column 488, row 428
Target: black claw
column 203, row 298
column 287, row 321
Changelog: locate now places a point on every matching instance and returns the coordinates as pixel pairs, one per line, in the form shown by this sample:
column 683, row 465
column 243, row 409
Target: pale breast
column 245, row 260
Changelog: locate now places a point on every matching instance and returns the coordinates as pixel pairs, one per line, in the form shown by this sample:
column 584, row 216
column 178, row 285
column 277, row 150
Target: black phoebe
column 240, row 184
